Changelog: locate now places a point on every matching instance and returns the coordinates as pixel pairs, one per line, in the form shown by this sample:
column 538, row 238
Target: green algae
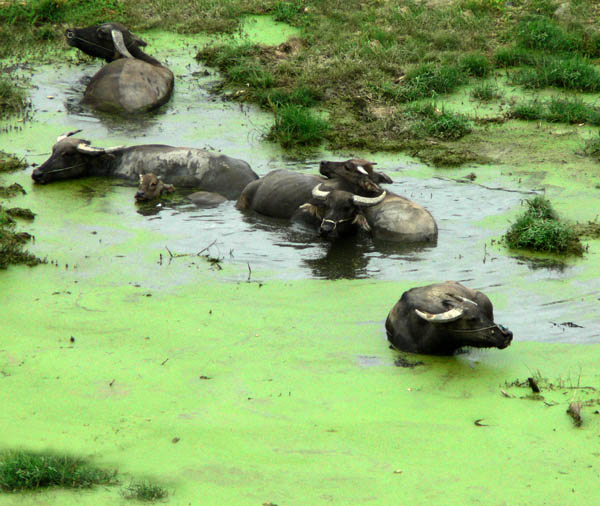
column 285, row 392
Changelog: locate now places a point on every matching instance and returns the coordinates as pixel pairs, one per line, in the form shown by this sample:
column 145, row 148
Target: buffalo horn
column 469, row 301
column 91, row 150
column 68, row 134
column 361, row 169
column 368, row 201
column 318, row 193
column 117, row 38
column 446, row 317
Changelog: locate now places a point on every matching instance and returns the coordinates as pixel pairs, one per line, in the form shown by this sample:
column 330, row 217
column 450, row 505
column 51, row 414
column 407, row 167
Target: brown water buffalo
column 183, row 167
column 133, row 81
column 440, row 319
column 337, row 207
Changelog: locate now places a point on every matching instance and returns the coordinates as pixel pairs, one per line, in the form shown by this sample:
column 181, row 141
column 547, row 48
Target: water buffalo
column 184, row 167
column 440, row 319
column 152, row 188
column 109, row 41
column 335, row 207
column 135, row 82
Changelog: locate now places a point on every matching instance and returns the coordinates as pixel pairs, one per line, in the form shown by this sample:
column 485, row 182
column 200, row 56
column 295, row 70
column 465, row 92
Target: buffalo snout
column 507, row 335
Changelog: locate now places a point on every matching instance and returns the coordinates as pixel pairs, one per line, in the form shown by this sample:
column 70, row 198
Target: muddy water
column 538, row 301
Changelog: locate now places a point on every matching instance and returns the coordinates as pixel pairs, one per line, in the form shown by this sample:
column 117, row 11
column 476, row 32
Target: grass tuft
column 539, row 229
column 437, row 123
column 476, row 64
column 297, row 126
column 540, row 32
column 571, row 73
column 145, row 491
column 20, row 470
column 486, row 92
column 428, row 81
column 13, row 99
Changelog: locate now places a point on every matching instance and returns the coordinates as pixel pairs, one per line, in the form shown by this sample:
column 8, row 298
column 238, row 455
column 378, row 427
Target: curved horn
column 117, row 38
column 68, row 134
column 464, row 299
column 318, row 193
column 447, row 317
column 89, row 150
column 368, row 201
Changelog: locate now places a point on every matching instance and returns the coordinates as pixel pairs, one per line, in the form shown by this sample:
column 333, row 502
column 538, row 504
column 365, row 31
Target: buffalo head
column 152, row 188
column 440, row 319
column 70, row 158
column 110, row 41
column 357, row 172
column 339, row 211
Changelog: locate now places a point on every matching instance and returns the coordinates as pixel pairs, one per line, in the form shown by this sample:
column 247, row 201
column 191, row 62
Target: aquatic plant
column 486, row 92
column 10, row 162
column 540, row 229
column 571, row 73
column 145, row 491
column 22, row 470
column 438, row 123
column 557, row 110
column 297, row 126
column 13, row 99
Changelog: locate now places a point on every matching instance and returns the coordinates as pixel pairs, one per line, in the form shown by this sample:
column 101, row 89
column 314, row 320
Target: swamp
column 188, row 355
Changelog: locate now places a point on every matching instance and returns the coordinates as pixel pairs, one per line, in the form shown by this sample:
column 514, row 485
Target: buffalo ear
column 380, row 177
column 310, row 209
column 362, row 222
column 103, row 32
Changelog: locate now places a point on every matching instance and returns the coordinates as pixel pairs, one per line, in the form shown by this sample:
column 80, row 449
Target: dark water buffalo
column 133, row 81
column 442, row 318
column 151, row 187
column 109, row 41
column 335, row 207
column 183, row 167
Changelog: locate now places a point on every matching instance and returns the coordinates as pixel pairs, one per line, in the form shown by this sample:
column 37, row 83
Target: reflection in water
column 533, row 263
column 277, row 249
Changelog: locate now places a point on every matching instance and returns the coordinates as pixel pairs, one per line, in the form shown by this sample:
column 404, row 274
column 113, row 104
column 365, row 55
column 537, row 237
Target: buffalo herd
column 344, row 199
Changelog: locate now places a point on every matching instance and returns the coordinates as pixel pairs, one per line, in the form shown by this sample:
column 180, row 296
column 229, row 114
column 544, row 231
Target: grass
column 145, row 491
column 540, row 229
column 486, row 92
column 296, row 126
column 355, row 59
column 13, row 99
column 20, row 470
column 437, row 123
column 571, row 110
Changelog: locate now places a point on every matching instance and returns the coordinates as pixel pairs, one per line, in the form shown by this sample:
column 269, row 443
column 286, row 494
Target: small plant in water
column 297, row 126
column 476, row 64
column 20, row 470
column 145, row 491
column 540, row 229
column 486, row 92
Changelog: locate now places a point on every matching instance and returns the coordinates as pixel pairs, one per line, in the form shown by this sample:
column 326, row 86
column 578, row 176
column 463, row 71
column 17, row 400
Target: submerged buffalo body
column 442, row 318
column 151, row 187
column 335, row 209
column 182, row 167
column 133, row 81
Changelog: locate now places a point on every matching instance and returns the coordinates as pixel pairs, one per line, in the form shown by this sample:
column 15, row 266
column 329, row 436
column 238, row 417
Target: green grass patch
column 486, row 92
column 437, row 123
column 297, row 126
column 20, row 470
column 540, row 229
column 571, row 73
column 541, row 32
column 514, row 56
column 429, row 81
column 476, row 64
column 302, row 96
column 145, row 491
column 570, row 110
column 288, row 12
column 13, row 100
